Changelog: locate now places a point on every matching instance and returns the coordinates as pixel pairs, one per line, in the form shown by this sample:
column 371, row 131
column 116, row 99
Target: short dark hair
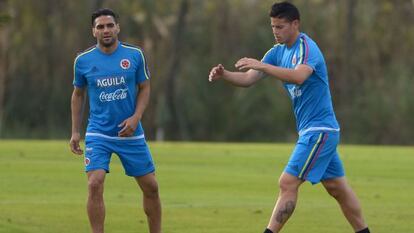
column 104, row 11
column 285, row 10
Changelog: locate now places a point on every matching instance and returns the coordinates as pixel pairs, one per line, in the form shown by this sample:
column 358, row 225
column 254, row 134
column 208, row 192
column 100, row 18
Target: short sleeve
column 271, row 57
column 142, row 72
column 78, row 79
column 309, row 54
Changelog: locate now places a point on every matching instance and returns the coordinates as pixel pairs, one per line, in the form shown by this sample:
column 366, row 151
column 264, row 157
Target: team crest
column 87, row 161
column 125, row 64
column 294, row 60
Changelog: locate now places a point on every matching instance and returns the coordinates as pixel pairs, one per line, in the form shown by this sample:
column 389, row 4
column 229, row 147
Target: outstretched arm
column 78, row 96
column 129, row 125
column 241, row 79
column 296, row 76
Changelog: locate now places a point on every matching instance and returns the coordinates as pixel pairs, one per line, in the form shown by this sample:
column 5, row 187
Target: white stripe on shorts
column 115, row 138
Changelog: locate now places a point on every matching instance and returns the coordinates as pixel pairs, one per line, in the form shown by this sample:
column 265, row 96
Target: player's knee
column 151, row 190
column 95, row 185
column 286, row 185
column 333, row 189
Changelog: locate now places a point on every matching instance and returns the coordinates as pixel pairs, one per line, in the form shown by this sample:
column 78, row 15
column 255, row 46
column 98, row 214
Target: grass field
column 205, row 188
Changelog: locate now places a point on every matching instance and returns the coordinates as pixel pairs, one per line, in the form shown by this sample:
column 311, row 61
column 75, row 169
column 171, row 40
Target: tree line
column 368, row 47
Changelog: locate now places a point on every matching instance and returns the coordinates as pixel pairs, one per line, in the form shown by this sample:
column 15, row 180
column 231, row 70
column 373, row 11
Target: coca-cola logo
column 111, row 96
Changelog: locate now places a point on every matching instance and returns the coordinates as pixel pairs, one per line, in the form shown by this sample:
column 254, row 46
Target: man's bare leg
column 95, row 205
column 339, row 189
column 286, row 202
column 151, row 201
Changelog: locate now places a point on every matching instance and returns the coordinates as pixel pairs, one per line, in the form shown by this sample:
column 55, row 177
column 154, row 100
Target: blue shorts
column 133, row 153
column 315, row 157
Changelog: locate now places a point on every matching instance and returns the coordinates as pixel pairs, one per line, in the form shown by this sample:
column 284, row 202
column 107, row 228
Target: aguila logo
column 87, row 161
column 125, row 64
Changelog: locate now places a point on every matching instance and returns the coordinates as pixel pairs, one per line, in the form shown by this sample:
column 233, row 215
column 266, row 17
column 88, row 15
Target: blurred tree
column 4, row 36
column 173, row 125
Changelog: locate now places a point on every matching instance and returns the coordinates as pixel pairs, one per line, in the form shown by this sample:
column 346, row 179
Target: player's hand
column 74, row 144
column 216, row 73
column 249, row 63
column 128, row 127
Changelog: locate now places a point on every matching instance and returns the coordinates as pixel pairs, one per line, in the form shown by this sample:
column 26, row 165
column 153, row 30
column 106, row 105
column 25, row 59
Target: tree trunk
column 348, row 78
column 3, row 71
column 4, row 33
column 173, row 124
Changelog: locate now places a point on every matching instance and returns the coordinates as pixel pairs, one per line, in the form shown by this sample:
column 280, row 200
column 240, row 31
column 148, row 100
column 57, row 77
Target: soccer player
column 117, row 80
column 297, row 61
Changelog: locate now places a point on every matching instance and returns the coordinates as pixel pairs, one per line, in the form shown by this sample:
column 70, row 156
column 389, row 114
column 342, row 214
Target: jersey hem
column 311, row 129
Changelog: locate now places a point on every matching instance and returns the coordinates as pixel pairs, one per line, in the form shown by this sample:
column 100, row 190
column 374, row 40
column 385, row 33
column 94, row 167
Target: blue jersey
column 311, row 100
column 111, row 81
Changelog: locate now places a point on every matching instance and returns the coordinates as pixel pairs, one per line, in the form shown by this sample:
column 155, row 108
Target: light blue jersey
column 111, row 81
column 311, row 100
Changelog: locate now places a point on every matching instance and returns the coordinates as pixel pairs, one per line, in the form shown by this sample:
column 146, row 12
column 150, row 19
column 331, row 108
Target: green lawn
column 205, row 188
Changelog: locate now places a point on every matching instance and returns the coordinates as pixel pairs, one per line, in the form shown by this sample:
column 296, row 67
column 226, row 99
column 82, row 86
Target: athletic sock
column 269, row 231
column 366, row 230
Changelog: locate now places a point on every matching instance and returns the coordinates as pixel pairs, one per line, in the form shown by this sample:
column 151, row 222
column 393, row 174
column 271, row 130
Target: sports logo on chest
column 110, row 81
column 294, row 60
column 125, row 64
